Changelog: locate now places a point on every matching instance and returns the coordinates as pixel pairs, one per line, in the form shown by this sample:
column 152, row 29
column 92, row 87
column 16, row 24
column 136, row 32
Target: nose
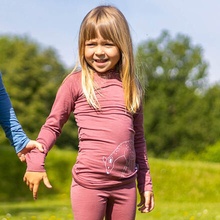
column 99, row 50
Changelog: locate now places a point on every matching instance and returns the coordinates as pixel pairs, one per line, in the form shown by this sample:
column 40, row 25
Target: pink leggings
column 118, row 203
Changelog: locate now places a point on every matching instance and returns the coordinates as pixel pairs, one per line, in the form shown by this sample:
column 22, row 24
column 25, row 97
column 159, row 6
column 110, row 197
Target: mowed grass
column 184, row 190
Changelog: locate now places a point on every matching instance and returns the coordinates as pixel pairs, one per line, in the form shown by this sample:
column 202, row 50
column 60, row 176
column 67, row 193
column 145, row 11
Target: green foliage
column 11, row 173
column 58, row 163
column 167, row 59
column 212, row 113
column 211, row 153
column 178, row 113
column 32, row 75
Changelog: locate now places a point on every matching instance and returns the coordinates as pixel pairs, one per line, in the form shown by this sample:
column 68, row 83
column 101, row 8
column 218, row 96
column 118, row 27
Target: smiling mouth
column 100, row 60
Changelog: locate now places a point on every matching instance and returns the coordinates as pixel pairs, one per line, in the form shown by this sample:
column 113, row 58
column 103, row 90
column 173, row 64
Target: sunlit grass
column 60, row 210
column 51, row 209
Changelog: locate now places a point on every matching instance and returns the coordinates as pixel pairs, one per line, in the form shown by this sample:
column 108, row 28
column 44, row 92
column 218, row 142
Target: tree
column 175, row 74
column 32, row 75
column 212, row 106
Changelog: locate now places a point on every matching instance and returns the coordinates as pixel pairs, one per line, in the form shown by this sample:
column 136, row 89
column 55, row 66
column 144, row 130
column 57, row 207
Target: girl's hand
column 147, row 202
column 30, row 145
column 32, row 179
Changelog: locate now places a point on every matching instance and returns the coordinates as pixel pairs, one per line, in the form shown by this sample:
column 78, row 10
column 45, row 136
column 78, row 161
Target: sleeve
column 143, row 175
column 51, row 130
column 9, row 122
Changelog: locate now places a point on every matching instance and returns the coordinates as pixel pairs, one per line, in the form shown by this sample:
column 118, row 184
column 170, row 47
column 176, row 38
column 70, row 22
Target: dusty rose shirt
column 112, row 148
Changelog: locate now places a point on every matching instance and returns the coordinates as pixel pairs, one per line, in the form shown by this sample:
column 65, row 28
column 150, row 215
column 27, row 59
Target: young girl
column 106, row 100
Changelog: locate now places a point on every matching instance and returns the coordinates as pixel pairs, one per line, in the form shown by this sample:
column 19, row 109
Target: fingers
column 39, row 147
column 147, row 202
column 34, row 144
column 33, row 187
column 21, row 157
column 32, row 180
column 30, row 146
column 35, row 190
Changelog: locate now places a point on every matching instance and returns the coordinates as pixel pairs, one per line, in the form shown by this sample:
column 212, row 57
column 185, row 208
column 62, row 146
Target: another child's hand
column 31, row 145
column 147, row 202
column 32, row 179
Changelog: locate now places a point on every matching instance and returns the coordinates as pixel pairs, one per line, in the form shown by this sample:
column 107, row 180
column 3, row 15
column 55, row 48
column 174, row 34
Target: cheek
column 117, row 56
column 88, row 53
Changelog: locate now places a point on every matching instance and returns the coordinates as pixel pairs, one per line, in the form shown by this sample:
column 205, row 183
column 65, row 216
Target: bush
column 59, row 164
column 211, row 153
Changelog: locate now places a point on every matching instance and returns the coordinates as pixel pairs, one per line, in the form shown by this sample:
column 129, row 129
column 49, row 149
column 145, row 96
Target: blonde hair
column 111, row 24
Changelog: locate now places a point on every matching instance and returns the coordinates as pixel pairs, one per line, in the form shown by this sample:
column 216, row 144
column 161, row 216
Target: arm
column 143, row 175
column 11, row 126
column 50, row 131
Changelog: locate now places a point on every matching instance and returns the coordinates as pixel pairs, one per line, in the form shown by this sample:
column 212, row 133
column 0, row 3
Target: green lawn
column 184, row 190
column 55, row 209
column 50, row 209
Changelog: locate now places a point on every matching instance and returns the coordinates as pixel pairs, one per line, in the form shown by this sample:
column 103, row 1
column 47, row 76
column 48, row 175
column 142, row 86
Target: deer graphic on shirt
column 124, row 151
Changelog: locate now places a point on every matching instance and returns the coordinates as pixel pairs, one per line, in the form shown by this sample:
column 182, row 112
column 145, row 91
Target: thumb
column 47, row 182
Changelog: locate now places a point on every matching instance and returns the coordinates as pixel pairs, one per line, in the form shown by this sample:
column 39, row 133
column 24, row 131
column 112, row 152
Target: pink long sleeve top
column 112, row 148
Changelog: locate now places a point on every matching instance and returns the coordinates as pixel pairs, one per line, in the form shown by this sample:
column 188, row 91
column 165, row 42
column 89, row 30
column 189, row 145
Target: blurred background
column 177, row 60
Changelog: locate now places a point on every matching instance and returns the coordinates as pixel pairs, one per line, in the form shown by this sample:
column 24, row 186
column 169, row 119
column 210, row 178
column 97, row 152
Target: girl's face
column 102, row 55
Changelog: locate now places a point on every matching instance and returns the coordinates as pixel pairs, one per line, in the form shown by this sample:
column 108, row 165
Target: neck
column 108, row 74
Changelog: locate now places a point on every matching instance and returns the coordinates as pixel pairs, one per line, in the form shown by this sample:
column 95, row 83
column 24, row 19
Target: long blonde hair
column 111, row 24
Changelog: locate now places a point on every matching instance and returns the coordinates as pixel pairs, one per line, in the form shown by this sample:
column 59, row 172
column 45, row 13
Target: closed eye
column 90, row 44
column 109, row 44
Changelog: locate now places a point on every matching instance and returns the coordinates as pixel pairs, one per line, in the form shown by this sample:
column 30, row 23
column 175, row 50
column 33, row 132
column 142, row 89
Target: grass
column 55, row 209
column 184, row 190
column 36, row 210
